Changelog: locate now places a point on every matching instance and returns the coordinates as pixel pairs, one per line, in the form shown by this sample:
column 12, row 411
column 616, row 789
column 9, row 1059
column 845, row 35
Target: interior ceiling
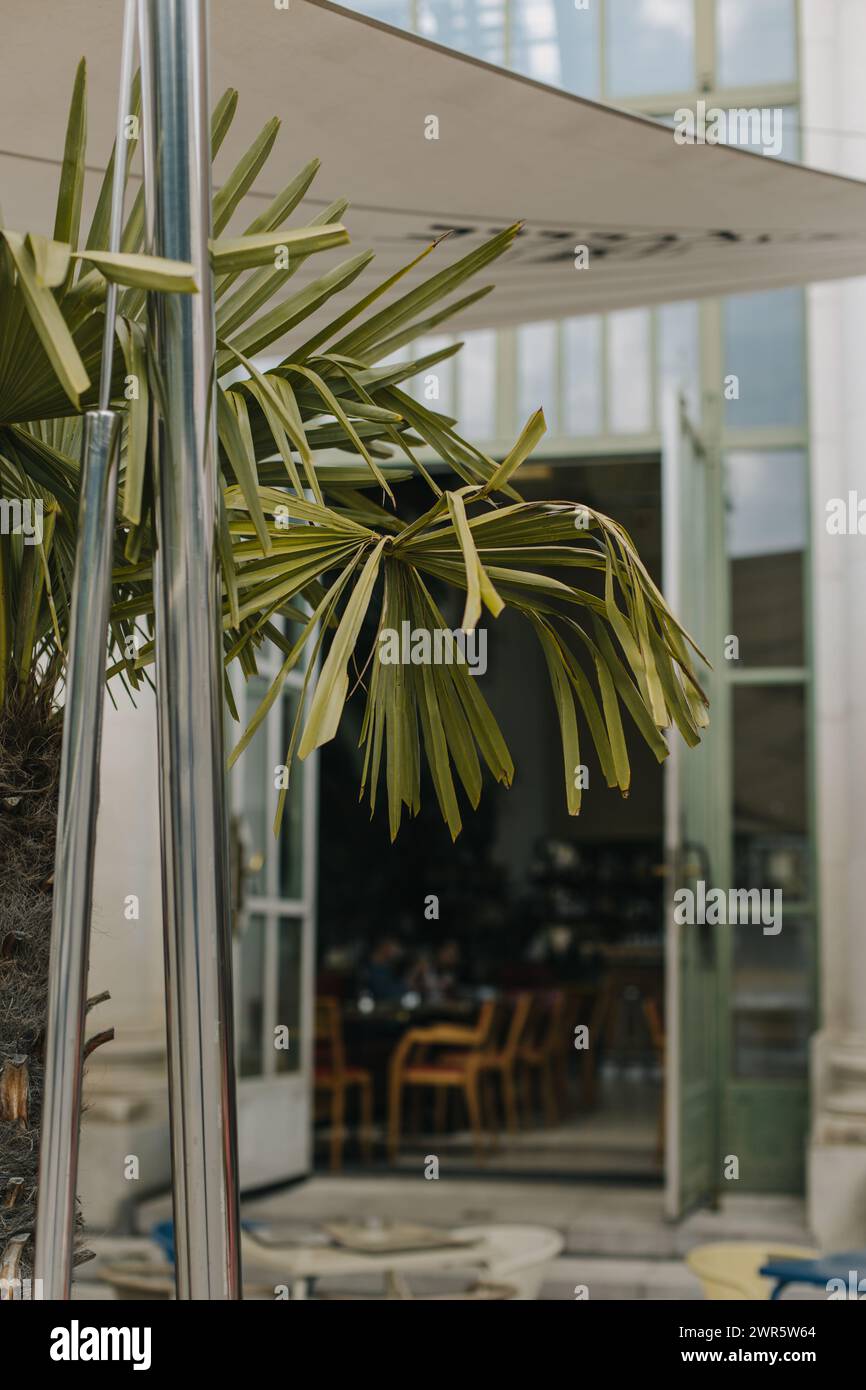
column 662, row 221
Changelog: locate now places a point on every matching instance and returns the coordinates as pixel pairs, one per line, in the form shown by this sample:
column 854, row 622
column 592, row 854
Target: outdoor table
column 819, row 1271
column 394, row 1017
column 301, row 1266
column 513, row 1254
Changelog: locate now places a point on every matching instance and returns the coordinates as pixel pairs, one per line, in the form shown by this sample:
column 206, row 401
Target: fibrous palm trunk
column 29, row 773
column 30, row 740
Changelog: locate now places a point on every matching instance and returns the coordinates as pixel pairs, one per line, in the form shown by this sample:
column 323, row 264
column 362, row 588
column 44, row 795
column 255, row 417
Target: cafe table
column 508, row 1254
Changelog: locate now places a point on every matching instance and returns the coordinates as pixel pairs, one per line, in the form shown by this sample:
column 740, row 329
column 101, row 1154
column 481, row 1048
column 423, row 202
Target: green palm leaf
column 349, row 563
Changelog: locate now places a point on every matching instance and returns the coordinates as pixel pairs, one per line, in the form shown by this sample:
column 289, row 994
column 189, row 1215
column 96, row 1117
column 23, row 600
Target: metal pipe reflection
column 194, row 838
column 79, row 784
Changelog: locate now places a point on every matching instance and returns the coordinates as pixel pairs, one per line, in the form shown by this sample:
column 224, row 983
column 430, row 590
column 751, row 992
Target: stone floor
column 617, row 1140
column 617, row 1242
column 596, row 1221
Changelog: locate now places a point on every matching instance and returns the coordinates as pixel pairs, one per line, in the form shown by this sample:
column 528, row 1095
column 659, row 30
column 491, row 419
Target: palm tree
column 300, row 538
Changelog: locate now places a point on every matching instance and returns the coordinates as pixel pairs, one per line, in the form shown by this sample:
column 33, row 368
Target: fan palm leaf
column 300, row 534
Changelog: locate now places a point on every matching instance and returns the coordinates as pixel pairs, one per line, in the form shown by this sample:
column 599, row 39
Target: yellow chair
column 730, row 1269
column 411, row 1065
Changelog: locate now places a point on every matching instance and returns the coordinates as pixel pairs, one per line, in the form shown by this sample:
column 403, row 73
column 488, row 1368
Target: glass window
column 536, row 373
column 581, row 351
column 756, row 43
column 251, row 1004
column 434, row 387
column 770, row 819
column 471, row 26
column 629, row 387
column 289, row 939
column 764, row 351
column 291, row 847
column 476, row 368
column 554, row 42
column 679, row 352
column 396, row 12
column 771, row 999
column 766, row 523
column 650, row 46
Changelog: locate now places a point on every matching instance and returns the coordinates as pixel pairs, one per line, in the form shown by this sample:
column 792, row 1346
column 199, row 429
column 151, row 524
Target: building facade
column 773, row 389
column 741, row 364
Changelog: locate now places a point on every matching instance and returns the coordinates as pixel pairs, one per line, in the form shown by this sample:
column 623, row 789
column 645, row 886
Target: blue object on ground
column 163, row 1234
column 849, row 1266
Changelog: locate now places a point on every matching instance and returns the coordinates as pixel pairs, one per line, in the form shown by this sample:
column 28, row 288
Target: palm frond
column 350, row 566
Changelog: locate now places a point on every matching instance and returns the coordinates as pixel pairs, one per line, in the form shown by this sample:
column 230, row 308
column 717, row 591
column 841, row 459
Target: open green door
column 693, row 1158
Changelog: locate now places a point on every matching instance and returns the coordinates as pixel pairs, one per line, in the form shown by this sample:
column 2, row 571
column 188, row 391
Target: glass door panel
column 692, row 1166
column 249, row 984
column 274, row 944
column 289, row 954
column 291, row 843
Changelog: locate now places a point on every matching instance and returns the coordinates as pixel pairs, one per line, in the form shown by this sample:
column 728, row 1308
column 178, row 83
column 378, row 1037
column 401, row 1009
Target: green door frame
column 693, row 1091
column 747, row 1103
column 764, row 1120
column 749, row 1106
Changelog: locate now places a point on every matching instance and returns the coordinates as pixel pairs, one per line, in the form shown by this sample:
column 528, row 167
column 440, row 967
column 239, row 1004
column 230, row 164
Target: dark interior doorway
column 531, row 898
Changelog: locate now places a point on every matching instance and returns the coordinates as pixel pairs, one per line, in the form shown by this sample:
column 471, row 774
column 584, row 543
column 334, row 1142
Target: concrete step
column 609, row 1279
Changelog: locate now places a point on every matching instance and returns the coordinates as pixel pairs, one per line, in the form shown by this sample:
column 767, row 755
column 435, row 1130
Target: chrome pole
column 193, row 825
column 78, row 797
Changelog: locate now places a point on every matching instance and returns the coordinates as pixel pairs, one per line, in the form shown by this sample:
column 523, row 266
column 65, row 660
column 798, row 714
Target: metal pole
column 196, row 896
column 73, row 862
column 79, row 786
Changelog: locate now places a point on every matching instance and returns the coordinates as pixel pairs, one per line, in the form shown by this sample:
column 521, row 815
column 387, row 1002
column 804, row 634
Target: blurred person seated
column 381, row 975
column 437, row 978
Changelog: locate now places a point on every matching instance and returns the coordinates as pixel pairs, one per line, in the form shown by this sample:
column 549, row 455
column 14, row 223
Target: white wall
column 126, row 1111
column 126, row 954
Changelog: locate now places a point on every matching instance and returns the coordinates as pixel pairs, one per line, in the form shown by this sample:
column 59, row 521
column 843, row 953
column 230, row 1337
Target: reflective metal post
column 196, row 898
column 79, row 787
column 73, row 861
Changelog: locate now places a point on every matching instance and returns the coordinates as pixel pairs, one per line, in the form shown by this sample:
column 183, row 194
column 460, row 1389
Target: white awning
column 662, row 220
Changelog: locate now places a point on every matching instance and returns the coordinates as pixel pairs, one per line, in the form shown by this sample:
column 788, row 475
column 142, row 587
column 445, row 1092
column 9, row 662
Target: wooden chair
column 537, row 1053
column 572, row 1012
column 652, row 1014
column 587, row 1004
column 633, row 973
column 412, row 1065
column 334, row 1077
column 501, row 1060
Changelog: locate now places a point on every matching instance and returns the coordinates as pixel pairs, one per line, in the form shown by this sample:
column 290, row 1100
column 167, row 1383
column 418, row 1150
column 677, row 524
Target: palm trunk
column 29, row 773
column 31, row 732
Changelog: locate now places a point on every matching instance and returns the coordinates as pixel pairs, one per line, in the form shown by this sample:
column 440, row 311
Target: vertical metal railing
column 196, row 897
column 79, row 785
